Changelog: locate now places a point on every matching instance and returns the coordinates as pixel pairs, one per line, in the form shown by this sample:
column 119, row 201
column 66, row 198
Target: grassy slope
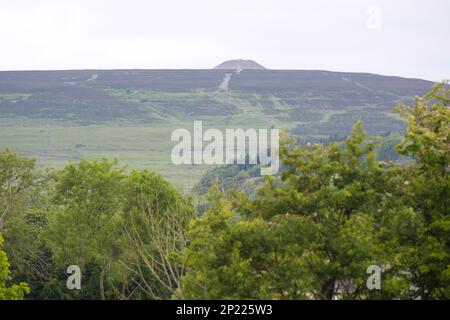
column 130, row 114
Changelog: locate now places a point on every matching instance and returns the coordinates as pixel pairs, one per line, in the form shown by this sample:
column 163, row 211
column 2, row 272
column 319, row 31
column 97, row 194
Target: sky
column 409, row 38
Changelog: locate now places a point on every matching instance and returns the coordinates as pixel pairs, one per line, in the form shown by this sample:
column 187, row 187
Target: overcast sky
column 394, row 37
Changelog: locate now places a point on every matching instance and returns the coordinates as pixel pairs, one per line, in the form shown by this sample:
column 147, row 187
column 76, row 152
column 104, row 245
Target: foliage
column 152, row 236
column 427, row 190
column 316, row 230
column 16, row 179
column 14, row 292
column 23, row 215
column 118, row 227
column 87, row 204
column 336, row 211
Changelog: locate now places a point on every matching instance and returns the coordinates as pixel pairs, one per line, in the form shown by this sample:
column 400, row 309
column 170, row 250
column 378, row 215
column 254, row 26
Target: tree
column 153, row 234
column 386, row 149
column 427, row 190
column 88, row 198
column 14, row 292
column 125, row 231
column 23, row 216
column 16, row 180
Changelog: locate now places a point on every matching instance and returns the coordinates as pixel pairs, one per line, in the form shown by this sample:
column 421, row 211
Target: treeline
column 123, row 230
column 247, row 178
column 311, row 233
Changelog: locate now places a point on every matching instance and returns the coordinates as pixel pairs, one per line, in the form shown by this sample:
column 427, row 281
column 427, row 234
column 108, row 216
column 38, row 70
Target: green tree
column 427, row 191
column 152, row 234
column 124, row 230
column 87, row 198
column 16, row 180
column 386, row 149
column 14, row 292
column 23, row 216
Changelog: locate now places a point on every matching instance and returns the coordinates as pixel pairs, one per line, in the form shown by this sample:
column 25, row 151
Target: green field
column 55, row 143
column 145, row 147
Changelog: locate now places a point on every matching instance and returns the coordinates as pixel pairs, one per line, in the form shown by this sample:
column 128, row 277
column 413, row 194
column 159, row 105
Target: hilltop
column 240, row 65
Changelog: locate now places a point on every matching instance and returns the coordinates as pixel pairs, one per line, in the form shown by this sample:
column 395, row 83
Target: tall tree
column 153, row 234
column 16, row 180
column 427, row 190
column 23, row 216
column 87, row 200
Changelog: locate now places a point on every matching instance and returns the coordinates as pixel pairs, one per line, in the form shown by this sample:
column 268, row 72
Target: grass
column 148, row 146
column 139, row 147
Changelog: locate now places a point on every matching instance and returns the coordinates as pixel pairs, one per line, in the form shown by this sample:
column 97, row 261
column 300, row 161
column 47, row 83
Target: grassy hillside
column 59, row 116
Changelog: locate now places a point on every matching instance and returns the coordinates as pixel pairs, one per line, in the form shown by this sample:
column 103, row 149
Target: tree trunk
column 102, row 285
column 328, row 290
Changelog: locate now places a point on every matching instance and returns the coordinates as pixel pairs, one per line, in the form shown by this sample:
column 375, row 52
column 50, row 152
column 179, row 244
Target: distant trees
column 386, row 148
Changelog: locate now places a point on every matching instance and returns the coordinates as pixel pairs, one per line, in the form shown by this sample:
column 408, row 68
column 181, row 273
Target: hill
column 240, row 65
column 129, row 114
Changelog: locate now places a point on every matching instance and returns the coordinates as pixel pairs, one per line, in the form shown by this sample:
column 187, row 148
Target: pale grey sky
column 395, row 37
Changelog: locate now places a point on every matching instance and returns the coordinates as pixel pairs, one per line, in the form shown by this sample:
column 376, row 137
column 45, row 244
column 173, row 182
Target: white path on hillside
column 223, row 87
column 370, row 89
column 92, row 78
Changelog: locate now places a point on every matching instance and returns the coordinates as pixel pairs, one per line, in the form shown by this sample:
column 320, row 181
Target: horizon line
column 212, row 69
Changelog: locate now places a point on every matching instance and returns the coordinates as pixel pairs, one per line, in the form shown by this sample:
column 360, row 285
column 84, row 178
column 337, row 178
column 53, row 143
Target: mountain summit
column 239, row 65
